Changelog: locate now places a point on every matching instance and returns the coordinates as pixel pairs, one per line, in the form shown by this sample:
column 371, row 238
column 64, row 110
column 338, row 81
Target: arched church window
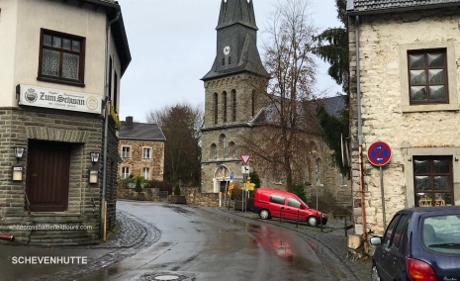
column 216, row 108
column 223, row 61
column 253, row 103
column 224, row 105
column 232, row 148
column 223, row 144
column 234, row 105
column 213, row 151
column 229, row 60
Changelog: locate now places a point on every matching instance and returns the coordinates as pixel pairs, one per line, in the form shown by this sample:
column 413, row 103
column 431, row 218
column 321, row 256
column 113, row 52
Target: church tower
column 232, row 98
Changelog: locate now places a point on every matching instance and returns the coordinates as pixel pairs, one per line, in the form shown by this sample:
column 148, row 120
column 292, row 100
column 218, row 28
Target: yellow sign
column 230, row 187
column 250, row 185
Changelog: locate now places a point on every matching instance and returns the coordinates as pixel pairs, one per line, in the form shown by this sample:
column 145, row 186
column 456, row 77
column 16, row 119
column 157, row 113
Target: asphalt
column 133, row 234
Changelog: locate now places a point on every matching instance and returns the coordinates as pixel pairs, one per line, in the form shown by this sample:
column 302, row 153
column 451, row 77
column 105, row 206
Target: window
column 125, row 172
column 213, row 151
column 216, row 108
column 232, row 148
column 224, row 106
column 423, row 100
column 433, row 181
column 398, row 236
column 389, row 232
column 146, row 173
column 234, row 105
column 223, row 143
column 293, row 203
column 125, row 152
column 428, row 76
column 278, row 199
column 146, row 153
column 253, row 103
column 61, row 58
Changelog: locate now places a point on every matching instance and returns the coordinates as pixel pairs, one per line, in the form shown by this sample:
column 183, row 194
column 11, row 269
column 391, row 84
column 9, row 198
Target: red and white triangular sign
column 245, row 158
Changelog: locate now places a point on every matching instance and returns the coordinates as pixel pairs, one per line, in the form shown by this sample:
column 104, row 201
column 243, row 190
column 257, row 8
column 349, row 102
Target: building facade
column 141, row 147
column 61, row 66
column 404, row 92
column 235, row 110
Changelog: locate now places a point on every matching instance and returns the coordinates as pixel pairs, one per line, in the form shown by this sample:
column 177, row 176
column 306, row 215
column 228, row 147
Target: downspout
column 106, row 122
column 360, row 138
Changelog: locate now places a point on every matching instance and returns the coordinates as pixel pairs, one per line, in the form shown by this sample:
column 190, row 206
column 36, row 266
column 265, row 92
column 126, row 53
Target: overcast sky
column 173, row 45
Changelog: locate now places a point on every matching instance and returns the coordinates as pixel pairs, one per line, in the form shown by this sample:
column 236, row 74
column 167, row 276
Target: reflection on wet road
column 204, row 244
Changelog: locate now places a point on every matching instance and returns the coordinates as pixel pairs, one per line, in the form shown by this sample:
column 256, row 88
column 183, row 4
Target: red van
column 270, row 203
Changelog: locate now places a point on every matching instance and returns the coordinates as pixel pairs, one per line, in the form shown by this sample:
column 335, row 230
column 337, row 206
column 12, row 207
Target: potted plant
column 177, row 198
column 138, row 194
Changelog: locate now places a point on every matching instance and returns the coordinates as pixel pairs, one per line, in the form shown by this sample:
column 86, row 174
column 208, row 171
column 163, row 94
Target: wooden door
column 47, row 184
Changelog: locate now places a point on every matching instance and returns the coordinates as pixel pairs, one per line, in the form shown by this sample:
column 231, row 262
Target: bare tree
column 181, row 124
column 280, row 138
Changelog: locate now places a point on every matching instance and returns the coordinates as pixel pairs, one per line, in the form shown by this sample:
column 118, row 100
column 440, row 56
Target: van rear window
column 278, row 199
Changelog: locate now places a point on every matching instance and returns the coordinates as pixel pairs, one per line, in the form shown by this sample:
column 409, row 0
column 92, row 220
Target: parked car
column 419, row 244
column 270, row 203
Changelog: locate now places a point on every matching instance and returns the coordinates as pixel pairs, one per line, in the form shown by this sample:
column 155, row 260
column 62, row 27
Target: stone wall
column 387, row 115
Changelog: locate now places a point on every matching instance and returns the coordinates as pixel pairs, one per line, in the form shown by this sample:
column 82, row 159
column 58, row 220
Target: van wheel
column 264, row 214
column 312, row 221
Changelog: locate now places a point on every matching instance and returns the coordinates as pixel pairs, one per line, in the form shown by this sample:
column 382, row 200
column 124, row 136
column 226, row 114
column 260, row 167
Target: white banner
column 59, row 99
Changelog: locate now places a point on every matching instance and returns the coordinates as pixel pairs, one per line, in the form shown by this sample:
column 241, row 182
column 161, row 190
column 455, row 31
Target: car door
column 292, row 208
column 391, row 263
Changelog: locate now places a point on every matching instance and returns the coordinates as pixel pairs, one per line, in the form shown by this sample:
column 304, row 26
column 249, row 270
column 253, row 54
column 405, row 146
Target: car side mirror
column 376, row 240
column 302, row 207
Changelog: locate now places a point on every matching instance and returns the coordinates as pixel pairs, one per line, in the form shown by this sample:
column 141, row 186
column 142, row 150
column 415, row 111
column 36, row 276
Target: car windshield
column 442, row 234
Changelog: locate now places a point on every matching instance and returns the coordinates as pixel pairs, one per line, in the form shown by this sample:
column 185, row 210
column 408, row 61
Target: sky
column 173, row 45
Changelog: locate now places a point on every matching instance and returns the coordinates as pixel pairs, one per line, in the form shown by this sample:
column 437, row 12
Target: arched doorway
column 221, row 178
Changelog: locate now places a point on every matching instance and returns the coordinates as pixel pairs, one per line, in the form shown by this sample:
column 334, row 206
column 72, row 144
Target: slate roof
column 379, row 6
column 140, row 131
column 332, row 105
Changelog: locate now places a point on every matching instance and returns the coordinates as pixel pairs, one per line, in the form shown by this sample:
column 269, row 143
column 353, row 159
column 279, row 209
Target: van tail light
column 419, row 270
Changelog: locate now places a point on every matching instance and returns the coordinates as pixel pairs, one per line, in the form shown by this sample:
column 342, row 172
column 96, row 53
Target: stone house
column 234, row 110
column 62, row 62
column 404, row 92
column 141, row 147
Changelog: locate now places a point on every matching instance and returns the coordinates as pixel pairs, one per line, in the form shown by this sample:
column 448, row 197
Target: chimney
column 129, row 121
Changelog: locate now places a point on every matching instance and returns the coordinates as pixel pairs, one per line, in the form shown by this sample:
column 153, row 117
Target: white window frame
column 125, row 172
column 123, row 156
column 144, row 149
column 146, row 173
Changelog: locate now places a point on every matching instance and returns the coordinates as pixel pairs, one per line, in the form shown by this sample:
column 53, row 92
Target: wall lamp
column 19, row 152
column 93, row 174
column 94, row 157
column 17, row 170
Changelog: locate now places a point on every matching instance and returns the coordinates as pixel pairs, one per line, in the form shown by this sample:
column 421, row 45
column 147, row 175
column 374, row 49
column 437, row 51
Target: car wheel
column 375, row 274
column 312, row 221
column 264, row 214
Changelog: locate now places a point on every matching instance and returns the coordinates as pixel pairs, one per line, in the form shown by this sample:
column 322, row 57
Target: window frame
column 453, row 104
column 129, row 152
column 123, row 172
column 144, row 174
column 80, row 82
column 432, row 175
column 426, row 69
column 143, row 153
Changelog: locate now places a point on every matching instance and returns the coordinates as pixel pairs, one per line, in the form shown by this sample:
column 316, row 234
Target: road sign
column 232, row 175
column 245, row 169
column 379, row 153
column 245, row 158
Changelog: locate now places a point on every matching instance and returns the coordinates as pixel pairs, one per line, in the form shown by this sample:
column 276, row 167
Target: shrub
column 299, row 190
column 133, row 179
column 138, row 187
column 177, row 190
column 162, row 186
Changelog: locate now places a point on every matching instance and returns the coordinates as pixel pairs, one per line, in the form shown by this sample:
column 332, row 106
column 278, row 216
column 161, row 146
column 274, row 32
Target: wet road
column 205, row 244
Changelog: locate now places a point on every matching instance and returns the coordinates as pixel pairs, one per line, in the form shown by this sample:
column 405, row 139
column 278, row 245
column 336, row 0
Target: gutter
column 360, row 137
column 106, row 120
column 352, row 12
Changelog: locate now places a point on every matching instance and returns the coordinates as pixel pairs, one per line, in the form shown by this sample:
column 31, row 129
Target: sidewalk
column 331, row 241
column 129, row 235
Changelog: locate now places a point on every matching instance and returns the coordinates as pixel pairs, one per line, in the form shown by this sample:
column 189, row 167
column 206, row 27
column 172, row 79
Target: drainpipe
column 106, row 123
column 360, row 138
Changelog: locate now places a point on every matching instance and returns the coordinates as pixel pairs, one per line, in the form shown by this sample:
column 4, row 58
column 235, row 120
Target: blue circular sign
column 379, row 153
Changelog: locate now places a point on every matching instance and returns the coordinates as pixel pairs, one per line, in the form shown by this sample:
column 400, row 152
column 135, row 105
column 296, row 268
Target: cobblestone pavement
column 130, row 235
column 331, row 245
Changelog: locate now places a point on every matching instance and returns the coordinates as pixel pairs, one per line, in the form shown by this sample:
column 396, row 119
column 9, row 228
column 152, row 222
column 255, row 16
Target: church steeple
column 236, row 11
column 236, row 41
